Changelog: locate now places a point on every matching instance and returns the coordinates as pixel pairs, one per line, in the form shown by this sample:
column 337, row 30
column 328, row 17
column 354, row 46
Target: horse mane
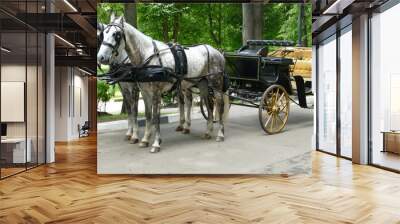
column 137, row 43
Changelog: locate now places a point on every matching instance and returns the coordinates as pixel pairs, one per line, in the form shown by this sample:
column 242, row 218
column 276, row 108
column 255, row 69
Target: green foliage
column 104, row 9
column 219, row 25
column 168, row 98
column 289, row 27
column 104, row 91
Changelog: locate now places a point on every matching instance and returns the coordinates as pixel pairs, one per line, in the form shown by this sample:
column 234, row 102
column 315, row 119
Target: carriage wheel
column 274, row 109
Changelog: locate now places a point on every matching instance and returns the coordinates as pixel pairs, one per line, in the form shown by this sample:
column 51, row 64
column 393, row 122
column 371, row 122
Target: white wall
column 33, row 125
column 71, row 102
column 61, row 103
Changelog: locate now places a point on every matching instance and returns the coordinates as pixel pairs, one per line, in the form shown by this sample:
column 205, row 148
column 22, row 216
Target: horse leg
column 133, row 117
column 128, row 134
column 148, row 111
column 204, row 94
column 219, row 99
column 188, row 108
column 181, row 111
column 126, row 96
column 156, row 123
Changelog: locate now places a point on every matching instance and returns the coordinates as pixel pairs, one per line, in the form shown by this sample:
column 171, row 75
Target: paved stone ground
column 246, row 149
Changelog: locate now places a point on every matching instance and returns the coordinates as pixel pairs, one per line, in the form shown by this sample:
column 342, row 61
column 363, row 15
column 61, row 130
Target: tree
column 289, row 27
column 130, row 14
column 162, row 20
column 215, row 24
column 300, row 27
column 253, row 14
column 104, row 92
column 190, row 23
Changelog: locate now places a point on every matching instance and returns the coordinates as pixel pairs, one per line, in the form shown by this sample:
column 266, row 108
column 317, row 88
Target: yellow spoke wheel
column 274, row 109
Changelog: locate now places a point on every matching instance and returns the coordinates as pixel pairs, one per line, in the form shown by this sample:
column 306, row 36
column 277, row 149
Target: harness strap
column 180, row 59
column 208, row 59
column 156, row 52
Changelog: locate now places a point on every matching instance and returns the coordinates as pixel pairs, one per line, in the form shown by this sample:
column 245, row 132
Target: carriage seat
column 274, row 60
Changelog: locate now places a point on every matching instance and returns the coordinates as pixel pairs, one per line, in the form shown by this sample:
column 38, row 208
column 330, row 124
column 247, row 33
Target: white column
column 50, row 99
column 360, row 90
column 314, row 90
column 50, row 92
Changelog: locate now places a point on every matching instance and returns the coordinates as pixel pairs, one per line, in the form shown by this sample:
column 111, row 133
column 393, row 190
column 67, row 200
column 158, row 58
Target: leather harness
column 128, row 72
column 181, row 67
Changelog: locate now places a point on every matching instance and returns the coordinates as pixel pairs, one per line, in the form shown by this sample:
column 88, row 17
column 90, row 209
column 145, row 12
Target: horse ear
column 122, row 21
column 100, row 26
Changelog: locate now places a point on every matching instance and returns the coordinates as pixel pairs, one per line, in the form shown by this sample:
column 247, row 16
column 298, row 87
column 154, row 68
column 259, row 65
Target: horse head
column 113, row 40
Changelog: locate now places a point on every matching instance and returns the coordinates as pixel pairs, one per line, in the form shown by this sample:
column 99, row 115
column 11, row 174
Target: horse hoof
column 134, row 141
column 207, row 136
column 179, row 129
column 155, row 149
column 186, row 131
column 127, row 137
column 220, row 139
column 143, row 144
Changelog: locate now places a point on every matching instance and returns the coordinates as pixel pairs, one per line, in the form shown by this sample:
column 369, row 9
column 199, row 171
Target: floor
column 9, row 171
column 70, row 191
column 386, row 159
column 246, row 149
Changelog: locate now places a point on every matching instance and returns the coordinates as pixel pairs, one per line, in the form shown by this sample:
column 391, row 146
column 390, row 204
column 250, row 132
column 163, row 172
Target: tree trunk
column 165, row 30
column 215, row 37
column 300, row 26
column 131, row 13
column 175, row 32
column 253, row 17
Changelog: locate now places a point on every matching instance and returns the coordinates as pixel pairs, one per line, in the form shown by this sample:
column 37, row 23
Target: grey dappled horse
column 205, row 65
column 129, row 90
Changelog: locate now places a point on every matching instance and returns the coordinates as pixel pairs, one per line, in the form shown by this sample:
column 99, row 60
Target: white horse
column 129, row 90
column 205, row 72
column 130, row 93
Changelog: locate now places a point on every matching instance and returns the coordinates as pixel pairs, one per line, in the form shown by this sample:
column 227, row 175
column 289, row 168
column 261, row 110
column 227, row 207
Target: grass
column 114, row 117
column 102, row 117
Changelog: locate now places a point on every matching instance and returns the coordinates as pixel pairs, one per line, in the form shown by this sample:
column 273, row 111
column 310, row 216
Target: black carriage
column 263, row 79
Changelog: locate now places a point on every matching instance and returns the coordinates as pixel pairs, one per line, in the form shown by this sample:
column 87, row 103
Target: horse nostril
column 102, row 58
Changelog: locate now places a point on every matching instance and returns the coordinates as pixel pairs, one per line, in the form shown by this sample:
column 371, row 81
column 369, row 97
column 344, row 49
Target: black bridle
column 118, row 36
